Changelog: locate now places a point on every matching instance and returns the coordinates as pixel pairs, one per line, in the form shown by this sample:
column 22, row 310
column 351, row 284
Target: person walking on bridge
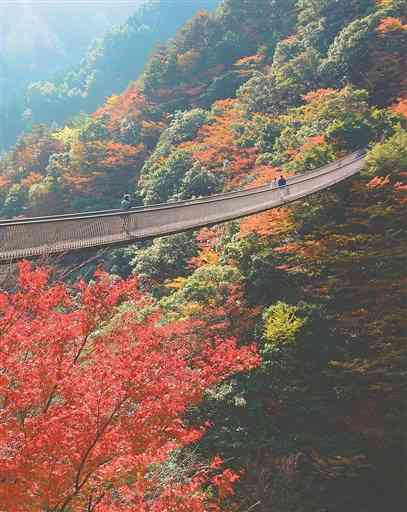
column 126, row 202
column 282, row 184
column 126, row 205
column 273, row 184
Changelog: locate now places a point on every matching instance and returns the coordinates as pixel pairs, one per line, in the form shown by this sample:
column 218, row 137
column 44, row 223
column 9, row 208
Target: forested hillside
column 112, row 61
column 257, row 88
column 38, row 41
column 109, row 64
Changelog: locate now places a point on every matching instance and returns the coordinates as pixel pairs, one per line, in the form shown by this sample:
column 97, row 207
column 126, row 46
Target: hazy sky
column 32, row 30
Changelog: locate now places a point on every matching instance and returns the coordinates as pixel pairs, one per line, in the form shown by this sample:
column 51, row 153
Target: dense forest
column 258, row 365
column 47, row 42
column 40, row 40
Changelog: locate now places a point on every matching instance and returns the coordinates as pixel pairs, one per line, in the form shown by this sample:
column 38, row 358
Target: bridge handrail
column 36, row 238
column 298, row 178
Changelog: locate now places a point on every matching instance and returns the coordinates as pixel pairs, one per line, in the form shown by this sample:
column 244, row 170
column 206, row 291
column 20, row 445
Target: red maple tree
column 93, row 390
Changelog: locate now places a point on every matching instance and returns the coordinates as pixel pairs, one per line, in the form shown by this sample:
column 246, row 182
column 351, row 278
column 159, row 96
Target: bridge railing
column 47, row 235
column 292, row 179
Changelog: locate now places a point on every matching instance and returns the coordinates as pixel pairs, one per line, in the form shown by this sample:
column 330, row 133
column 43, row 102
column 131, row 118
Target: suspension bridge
column 43, row 236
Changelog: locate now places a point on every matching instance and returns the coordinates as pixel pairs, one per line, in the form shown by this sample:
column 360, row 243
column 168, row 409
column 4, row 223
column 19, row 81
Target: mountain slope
column 112, row 62
column 41, row 39
column 233, row 100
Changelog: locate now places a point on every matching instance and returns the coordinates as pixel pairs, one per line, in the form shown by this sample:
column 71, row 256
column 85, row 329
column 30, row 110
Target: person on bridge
column 273, row 184
column 282, row 185
column 126, row 202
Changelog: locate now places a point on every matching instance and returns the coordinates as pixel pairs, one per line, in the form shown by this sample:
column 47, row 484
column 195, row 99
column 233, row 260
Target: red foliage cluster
column 319, row 93
column 32, row 154
column 4, row 182
column 290, row 39
column 207, row 240
column 92, row 399
column 206, row 256
column 128, row 106
column 377, row 182
column 121, row 155
column 216, row 142
column 390, row 24
column 401, row 107
column 247, row 65
column 315, row 140
column 209, row 237
column 272, row 222
column 263, row 175
column 31, row 179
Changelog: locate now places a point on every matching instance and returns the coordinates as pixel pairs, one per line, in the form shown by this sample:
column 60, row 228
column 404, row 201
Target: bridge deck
column 31, row 237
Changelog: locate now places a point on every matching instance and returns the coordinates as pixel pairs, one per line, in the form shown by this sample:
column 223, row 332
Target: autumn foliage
column 401, row 107
column 273, row 222
column 215, row 145
column 92, row 399
column 127, row 106
column 318, row 94
column 391, row 24
column 100, row 387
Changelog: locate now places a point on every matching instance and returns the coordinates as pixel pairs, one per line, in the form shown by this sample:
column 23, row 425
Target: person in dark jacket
column 126, row 202
column 282, row 182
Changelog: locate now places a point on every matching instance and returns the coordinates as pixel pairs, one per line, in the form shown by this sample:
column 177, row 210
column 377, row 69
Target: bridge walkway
column 40, row 236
